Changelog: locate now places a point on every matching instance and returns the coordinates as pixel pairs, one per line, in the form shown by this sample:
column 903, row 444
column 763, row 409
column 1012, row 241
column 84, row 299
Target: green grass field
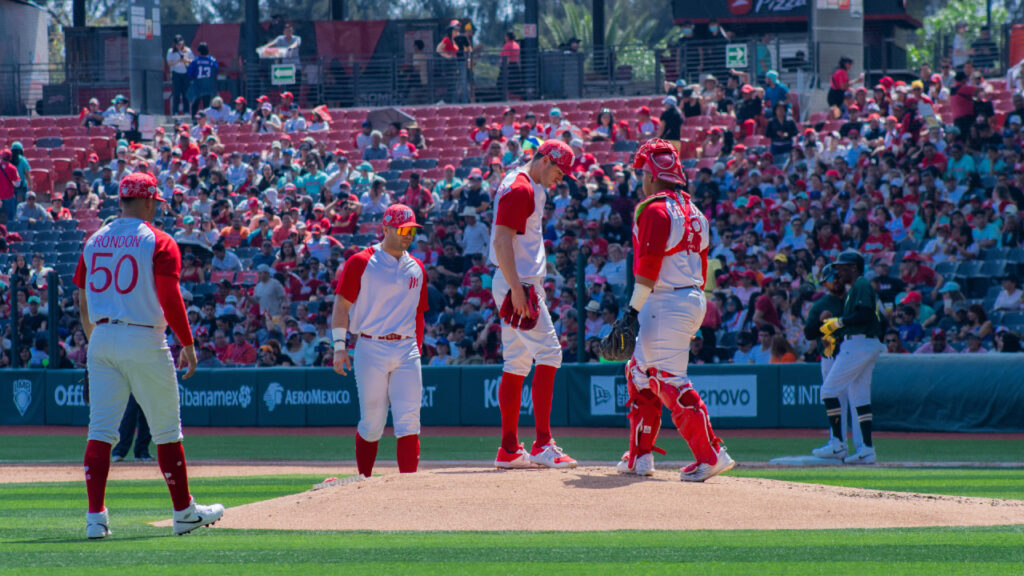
column 42, row 524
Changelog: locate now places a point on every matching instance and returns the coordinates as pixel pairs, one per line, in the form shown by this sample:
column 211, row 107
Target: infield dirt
column 597, row 498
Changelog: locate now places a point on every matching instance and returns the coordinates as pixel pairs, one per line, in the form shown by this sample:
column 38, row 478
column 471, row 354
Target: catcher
column 670, row 246
column 830, row 305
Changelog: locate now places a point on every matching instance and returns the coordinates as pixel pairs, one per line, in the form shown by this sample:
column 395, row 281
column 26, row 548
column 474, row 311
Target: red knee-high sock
column 408, row 453
column 510, row 399
column 171, row 458
column 97, row 466
column 543, row 391
column 690, row 416
column 366, row 455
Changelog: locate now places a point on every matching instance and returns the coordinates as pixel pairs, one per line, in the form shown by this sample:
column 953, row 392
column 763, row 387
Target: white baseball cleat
column 699, row 472
column 863, row 455
column 551, row 456
column 833, row 450
column 642, row 466
column 196, row 516
column 97, row 525
column 506, row 460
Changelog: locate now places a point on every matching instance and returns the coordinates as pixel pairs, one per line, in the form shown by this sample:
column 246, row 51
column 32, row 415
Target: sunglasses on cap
column 408, row 231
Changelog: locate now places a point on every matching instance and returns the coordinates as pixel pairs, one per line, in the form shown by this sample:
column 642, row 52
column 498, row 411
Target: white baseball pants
column 521, row 347
column 388, row 373
column 668, row 321
column 845, row 404
column 850, row 375
column 127, row 360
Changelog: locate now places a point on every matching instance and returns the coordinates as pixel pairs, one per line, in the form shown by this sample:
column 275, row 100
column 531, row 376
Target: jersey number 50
column 112, row 277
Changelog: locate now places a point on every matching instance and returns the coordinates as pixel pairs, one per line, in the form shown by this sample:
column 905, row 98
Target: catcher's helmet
column 851, row 257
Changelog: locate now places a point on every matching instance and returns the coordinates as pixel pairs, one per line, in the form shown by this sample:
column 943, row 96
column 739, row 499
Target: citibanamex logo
column 22, row 395
column 491, row 396
column 240, row 398
column 73, row 395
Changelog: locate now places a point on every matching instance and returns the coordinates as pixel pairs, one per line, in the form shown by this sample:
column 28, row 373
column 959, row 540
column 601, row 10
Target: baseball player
column 128, row 282
column 670, row 246
column 860, row 330
column 527, row 332
column 830, row 305
column 381, row 297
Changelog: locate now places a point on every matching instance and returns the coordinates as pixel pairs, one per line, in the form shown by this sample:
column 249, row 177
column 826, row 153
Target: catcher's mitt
column 508, row 313
column 618, row 345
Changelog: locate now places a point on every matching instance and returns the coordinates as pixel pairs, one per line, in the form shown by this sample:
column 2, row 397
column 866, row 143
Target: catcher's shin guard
column 690, row 415
column 644, row 420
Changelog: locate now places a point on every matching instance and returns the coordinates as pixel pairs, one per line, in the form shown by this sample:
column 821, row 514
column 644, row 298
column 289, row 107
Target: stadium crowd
column 924, row 178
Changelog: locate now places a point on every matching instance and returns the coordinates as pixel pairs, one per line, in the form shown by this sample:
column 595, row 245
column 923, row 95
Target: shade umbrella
column 384, row 117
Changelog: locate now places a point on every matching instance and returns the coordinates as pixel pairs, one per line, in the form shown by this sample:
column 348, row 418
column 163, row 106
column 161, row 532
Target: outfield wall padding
column 933, row 394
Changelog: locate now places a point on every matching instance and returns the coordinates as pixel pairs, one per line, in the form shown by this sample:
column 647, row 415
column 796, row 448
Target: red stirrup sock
column 171, row 458
column 366, row 455
column 510, row 399
column 97, row 466
column 543, row 391
column 408, row 453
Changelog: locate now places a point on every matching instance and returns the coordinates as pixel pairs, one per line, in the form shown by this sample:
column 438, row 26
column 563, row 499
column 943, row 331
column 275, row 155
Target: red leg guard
column 510, row 400
column 543, row 391
column 171, row 458
column 690, row 416
column 97, row 467
column 366, row 455
column 644, row 419
column 408, row 454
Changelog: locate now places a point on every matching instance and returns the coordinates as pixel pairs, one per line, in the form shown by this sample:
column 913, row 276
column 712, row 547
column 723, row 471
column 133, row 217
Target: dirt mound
column 596, row 498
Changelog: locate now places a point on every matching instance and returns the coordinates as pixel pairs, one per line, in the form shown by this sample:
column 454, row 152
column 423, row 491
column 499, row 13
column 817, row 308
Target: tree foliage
column 942, row 25
column 628, row 22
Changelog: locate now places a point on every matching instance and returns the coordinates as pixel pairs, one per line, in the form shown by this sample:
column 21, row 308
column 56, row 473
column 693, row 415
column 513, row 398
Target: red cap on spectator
column 853, row 108
column 287, row 95
column 207, row 129
column 494, row 126
column 315, row 229
column 593, row 226
column 911, row 256
column 715, row 130
column 184, row 128
column 560, row 154
column 140, row 185
column 809, row 132
column 449, row 167
column 475, row 173
column 526, row 125
column 800, row 184
column 599, row 173
column 747, row 89
column 739, row 149
column 938, row 333
column 912, row 297
column 400, row 216
column 403, row 133
column 507, row 110
column 832, row 173
column 240, row 100
column 643, row 110
column 94, row 158
column 159, row 130
column 263, row 98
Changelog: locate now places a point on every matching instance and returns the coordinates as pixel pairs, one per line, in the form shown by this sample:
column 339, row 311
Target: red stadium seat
column 62, row 169
column 41, row 182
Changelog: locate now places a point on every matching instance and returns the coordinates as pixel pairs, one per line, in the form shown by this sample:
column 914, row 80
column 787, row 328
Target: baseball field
column 936, row 504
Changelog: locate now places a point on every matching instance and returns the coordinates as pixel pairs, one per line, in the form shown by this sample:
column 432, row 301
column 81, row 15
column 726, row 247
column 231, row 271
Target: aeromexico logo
column 491, row 396
column 277, row 395
column 239, row 397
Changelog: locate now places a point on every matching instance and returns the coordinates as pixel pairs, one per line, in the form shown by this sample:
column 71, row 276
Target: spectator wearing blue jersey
column 203, row 72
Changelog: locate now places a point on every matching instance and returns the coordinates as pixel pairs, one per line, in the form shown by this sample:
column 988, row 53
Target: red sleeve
column 516, row 205
column 166, row 269
column 422, row 308
column 653, row 229
column 166, row 255
column 80, row 272
column 704, row 270
column 352, row 275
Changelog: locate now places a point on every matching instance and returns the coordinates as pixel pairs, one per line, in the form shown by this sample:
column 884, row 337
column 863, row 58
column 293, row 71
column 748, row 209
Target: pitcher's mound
column 599, row 499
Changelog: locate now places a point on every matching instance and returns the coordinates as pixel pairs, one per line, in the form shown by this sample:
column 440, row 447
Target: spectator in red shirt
column 918, row 276
column 284, row 230
column 646, row 127
column 239, row 352
column 301, row 285
column 932, row 157
column 57, row 210
column 879, row 239
column 344, row 214
column 598, row 245
column 189, row 149
column 9, row 180
column 961, row 103
column 477, row 290
column 765, row 312
column 417, row 197
column 493, row 135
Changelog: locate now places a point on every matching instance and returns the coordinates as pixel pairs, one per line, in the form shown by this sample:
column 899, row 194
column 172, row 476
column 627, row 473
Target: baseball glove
column 828, row 344
column 508, row 313
column 618, row 345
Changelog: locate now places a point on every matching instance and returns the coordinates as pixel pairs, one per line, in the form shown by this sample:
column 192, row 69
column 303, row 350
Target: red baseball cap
column 643, row 110
column 560, row 154
column 240, row 100
column 288, row 95
column 400, row 216
column 140, row 185
column 94, row 158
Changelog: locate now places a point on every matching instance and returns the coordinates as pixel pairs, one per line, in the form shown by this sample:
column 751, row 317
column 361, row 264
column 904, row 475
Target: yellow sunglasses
column 409, row 231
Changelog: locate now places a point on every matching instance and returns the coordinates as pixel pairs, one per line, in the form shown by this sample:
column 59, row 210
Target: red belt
column 388, row 337
column 109, row 321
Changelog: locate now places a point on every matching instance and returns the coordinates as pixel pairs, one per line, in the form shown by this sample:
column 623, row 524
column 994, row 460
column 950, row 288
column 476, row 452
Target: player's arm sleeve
column 653, row 229
column 515, row 207
column 421, row 309
column 166, row 270
column 352, row 275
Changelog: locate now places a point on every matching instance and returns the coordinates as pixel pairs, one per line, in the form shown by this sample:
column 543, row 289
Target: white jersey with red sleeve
column 520, row 206
column 117, row 270
column 389, row 295
column 670, row 241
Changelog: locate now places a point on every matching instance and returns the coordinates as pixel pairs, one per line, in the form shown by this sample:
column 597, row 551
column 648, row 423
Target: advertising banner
column 23, row 397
